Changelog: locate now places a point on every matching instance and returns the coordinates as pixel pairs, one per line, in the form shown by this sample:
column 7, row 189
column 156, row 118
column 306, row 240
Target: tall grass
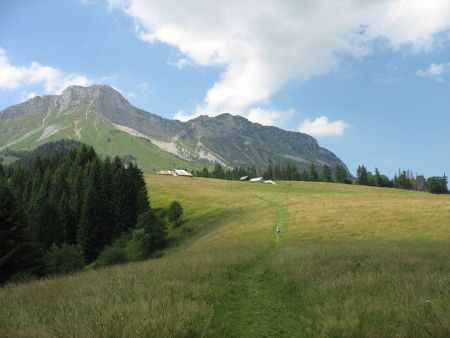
column 351, row 262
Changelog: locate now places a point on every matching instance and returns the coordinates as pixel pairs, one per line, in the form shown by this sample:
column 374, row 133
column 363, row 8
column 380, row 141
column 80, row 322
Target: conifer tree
column 277, row 172
column 326, row 174
column 205, row 172
column 304, row 175
column 270, row 172
column 362, row 176
column 44, row 220
column 218, row 171
column 89, row 236
column 341, row 174
column 313, row 175
column 15, row 249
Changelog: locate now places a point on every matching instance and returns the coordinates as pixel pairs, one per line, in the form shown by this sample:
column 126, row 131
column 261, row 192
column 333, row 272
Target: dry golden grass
column 351, row 261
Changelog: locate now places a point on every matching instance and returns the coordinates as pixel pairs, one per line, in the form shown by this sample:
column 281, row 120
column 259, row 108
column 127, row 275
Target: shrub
column 64, row 259
column 174, row 213
column 136, row 248
column 150, row 235
column 112, row 255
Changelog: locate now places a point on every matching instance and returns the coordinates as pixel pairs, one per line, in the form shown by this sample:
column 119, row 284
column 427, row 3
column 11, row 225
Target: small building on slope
column 174, row 172
column 181, row 172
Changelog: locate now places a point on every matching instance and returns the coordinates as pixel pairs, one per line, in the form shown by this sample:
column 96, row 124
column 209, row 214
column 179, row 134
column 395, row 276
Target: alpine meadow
column 222, row 169
column 350, row 261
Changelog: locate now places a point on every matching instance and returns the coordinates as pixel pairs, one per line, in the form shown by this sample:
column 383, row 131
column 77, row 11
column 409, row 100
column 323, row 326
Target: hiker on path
column 278, row 230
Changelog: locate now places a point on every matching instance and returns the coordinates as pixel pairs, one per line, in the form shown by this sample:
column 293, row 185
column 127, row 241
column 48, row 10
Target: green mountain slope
column 101, row 116
column 30, row 131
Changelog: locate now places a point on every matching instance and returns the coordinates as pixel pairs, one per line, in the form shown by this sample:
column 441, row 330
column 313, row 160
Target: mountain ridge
column 80, row 112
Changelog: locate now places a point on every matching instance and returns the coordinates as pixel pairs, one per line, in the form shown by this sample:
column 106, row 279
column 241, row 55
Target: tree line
column 290, row 172
column 404, row 179
column 286, row 172
column 62, row 211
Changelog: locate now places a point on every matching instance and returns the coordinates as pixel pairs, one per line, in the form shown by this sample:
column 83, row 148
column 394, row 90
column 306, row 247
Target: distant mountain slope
column 101, row 116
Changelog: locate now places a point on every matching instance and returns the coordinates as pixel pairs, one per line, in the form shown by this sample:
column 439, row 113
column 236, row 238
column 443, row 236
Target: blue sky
column 370, row 82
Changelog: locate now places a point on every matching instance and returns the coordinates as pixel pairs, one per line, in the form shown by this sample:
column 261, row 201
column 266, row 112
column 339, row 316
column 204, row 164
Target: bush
column 174, row 213
column 150, row 235
column 136, row 248
column 64, row 259
column 112, row 255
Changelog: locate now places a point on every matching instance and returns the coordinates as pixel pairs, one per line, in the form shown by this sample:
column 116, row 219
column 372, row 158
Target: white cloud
column 183, row 117
column 263, row 44
column 267, row 117
column 28, row 95
column 436, row 70
column 180, row 63
column 53, row 80
column 144, row 89
column 390, row 75
column 322, row 127
column 108, row 78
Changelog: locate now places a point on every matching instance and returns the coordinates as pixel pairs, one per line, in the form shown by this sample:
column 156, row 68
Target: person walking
column 278, row 230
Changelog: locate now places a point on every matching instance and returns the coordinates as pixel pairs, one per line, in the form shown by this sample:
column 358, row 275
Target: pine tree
column 326, row 174
column 120, row 197
column 15, row 249
column 253, row 171
column 277, row 172
column 44, row 221
column 438, row 185
column 108, row 223
column 313, row 175
column 377, row 178
column 341, row 174
column 205, row 172
column 140, row 189
column 89, row 236
column 362, row 176
column 269, row 173
column 402, row 181
column 218, row 171
column 304, row 176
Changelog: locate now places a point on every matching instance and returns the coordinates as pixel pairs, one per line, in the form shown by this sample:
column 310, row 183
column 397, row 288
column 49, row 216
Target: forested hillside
column 64, row 200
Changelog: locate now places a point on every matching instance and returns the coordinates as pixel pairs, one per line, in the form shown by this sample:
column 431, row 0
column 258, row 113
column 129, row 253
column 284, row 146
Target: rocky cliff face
column 232, row 140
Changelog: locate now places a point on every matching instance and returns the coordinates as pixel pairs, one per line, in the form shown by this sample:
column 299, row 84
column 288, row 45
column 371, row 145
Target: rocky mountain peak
column 232, row 139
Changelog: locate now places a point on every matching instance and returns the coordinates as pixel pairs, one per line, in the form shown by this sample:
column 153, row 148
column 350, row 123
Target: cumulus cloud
column 390, row 75
column 267, row 117
column 183, row 117
column 436, row 70
column 179, row 63
column 28, row 95
column 144, row 89
column 321, row 126
column 263, row 44
column 54, row 81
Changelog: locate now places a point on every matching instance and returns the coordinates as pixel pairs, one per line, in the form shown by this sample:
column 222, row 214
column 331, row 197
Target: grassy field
column 350, row 262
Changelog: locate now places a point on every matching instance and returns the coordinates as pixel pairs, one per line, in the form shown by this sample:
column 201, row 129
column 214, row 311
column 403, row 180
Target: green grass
column 351, row 262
